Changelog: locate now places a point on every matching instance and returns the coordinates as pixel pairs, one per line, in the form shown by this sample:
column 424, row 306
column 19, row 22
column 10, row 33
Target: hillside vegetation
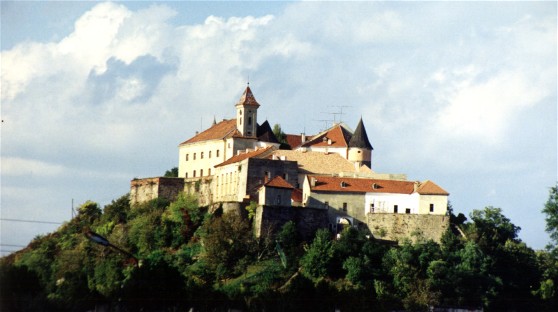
column 189, row 259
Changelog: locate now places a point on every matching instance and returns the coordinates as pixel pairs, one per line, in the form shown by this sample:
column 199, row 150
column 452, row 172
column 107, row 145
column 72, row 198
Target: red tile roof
column 240, row 157
column 279, row 182
column 295, row 140
column 248, row 98
column 430, row 188
column 221, row 130
column 296, row 196
column 338, row 135
column 358, row 185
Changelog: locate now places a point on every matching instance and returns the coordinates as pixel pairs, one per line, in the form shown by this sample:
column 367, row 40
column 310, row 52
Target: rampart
column 142, row 190
column 397, row 227
column 307, row 220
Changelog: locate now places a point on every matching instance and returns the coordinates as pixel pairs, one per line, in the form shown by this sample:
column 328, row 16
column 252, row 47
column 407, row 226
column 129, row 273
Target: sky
column 94, row 94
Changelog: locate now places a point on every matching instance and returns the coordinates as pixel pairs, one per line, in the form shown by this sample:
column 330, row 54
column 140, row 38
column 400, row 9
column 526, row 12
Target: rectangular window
column 209, row 156
column 344, row 206
column 194, row 156
column 217, row 153
column 209, row 171
column 408, row 210
column 395, row 208
column 187, row 157
column 186, row 175
column 372, row 207
column 326, row 204
column 201, row 172
column 431, row 207
column 201, row 155
column 285, row 176
column 194, row 174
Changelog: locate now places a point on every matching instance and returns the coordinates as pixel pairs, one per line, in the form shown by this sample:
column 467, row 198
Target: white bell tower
column 247, row 114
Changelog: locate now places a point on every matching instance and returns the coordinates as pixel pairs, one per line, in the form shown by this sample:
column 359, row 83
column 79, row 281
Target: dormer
column 247, row 114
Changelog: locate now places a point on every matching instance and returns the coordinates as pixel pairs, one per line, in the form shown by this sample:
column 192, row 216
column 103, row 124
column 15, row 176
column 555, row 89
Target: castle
column 323, row 180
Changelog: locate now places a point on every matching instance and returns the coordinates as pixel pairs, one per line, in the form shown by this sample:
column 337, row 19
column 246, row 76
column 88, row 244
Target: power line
column 29, row 221
column 11, row 245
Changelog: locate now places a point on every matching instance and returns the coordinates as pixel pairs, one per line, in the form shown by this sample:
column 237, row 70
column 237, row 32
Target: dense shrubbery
column 190, row 258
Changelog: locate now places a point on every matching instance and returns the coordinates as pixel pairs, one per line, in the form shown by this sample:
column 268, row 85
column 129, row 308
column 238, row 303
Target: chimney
column 303, row 137
column 417, row 185
column 197, row 132
column 312, row 181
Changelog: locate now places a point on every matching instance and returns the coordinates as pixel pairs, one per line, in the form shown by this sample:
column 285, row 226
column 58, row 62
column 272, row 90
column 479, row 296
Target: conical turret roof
column 360, row 138
column 248, row 98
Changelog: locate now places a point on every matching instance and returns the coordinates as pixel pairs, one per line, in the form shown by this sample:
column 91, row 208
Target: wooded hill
column 189, row 259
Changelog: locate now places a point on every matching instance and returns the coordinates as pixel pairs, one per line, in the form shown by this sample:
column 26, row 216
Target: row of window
column 201, row 173
column 395, row 207
column 187, row 158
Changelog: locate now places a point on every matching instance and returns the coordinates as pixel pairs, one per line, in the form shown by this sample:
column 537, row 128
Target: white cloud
column 115, row 96
column 482, row 111
column 15, row 166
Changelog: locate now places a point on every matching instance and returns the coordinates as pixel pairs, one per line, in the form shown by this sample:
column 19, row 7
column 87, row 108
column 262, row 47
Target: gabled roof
column 339, row 136
column 296, row 196
column 240, row 157
column 264, row 133
column 430, row 188
column 295, row 140
column 221, row 130
column 358, row 185
column 317, row 162
column 279, row 182
column 360, row 138
column 248, row 98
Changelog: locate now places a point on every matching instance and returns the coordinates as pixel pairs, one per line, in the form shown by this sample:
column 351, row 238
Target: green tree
column 228, row 244
column 317, row 259
column 172, row 173
column 491, row 228
column 279, row 134
column 551, row 211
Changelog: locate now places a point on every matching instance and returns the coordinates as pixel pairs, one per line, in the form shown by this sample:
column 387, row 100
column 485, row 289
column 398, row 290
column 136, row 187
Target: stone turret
column 360, row 149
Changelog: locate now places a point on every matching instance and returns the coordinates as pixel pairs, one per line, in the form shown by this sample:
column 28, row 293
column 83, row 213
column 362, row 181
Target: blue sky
column 97, row 93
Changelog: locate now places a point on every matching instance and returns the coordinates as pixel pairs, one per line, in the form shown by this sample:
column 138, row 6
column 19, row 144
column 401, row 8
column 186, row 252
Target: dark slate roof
column 264, row 133
column 360, row 138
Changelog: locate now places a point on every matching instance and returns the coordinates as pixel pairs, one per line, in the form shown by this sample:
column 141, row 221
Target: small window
column 343, row 184
column 209, row 171
column 285, row 176
column 187, row 157
column 431, row 207
column 407, row 210
column 395, row 208
column 278, row 200
column 326, row 204
column 186, row 175
column 372, row 207
column 344, row 206
column 217, row 153
column 249, row 121
column 194, row 174
column 201, row 155
column 209, row 156
column 194, row 156
column 201, row 172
